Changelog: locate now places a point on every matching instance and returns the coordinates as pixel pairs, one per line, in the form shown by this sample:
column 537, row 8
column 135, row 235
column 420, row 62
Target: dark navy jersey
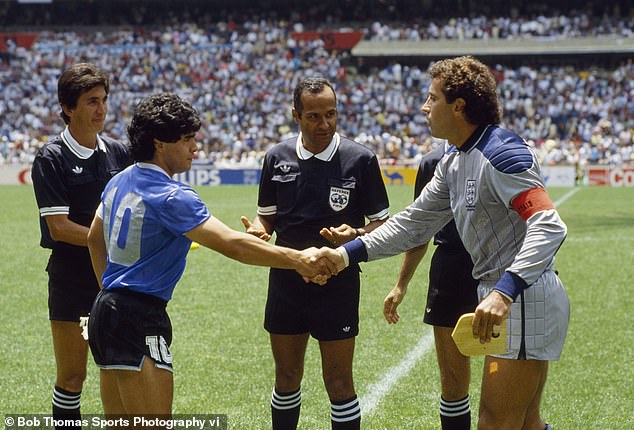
column 302, row 192
column 69, row 178
column 447, row 236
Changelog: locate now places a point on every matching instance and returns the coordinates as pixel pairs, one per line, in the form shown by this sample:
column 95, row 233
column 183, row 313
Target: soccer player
column 452, row 292
column 316, row 189
column 490, row 182
column 69, row 173
column 138, row 243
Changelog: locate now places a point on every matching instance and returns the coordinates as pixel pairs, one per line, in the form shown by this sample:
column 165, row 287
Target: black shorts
column 452, row 291
column 125, row 327
column 72, row 285
column 329, row 312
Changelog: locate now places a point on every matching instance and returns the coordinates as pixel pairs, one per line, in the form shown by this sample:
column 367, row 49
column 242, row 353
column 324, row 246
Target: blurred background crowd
column 239, row 68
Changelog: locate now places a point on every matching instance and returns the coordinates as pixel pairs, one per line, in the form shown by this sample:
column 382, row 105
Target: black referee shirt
column 447, row 236
column 303, row 192
column 69, row 179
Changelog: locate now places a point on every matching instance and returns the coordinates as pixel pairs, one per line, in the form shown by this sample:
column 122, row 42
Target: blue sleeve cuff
column 356, row 251
column 511, row 285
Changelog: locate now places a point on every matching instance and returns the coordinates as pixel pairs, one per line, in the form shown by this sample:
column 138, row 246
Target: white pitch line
column 378, row 390
column 566, row 196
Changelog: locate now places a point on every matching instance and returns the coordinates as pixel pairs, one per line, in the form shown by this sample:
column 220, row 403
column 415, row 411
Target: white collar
column 152, row 166
column 79, row 150
column 325, row 155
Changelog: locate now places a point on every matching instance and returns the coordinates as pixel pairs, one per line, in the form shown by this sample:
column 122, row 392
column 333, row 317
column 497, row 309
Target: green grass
column 222, row 356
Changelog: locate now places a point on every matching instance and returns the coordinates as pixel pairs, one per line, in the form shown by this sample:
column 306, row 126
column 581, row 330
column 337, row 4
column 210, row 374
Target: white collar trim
column 325, row 155
column 152, row 166
column 79, row 150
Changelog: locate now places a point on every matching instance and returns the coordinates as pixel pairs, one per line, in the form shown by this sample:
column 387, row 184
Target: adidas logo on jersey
column 77, row 170
column 346, row 329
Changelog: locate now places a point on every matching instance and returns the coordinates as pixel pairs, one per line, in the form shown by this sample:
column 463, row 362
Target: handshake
column 319, row 264
column 313, row 264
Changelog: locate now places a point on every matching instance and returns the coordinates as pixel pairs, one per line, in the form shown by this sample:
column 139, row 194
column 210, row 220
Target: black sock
column 455, row 414
column 346, row 415
column 285, row 409
column 66, row 406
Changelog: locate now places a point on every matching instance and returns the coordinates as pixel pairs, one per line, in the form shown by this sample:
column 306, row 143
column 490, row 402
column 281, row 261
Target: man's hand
column 339, row 235
column 490, row 313
column 255, row 230
column 325, row 258
column 314, row 267
column 391, row 302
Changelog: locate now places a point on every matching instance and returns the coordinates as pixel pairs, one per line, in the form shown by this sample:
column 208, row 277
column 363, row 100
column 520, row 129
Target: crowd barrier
column 202, row 174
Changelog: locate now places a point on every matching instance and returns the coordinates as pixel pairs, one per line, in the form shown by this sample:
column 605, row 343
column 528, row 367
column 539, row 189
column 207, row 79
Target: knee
column 72, row 382
column 339, row 388
column 288, row 379
column 455, row 385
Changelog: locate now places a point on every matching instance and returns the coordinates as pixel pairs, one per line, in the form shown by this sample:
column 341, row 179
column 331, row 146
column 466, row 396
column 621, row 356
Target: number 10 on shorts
column 158, row 349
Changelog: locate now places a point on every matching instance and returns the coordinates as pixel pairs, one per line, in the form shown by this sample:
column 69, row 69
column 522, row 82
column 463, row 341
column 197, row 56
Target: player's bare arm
column 97, row 248
column 248, row 249
column 411, row 260
column 63, row 229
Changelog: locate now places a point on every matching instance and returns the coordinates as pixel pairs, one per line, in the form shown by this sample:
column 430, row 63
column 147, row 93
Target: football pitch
column 222, row 358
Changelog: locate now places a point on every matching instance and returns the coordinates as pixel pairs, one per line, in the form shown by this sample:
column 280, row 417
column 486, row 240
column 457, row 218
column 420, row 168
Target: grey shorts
column 538, row 321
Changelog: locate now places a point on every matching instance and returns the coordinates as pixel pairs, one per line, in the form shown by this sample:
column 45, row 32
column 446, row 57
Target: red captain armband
column 532, row 201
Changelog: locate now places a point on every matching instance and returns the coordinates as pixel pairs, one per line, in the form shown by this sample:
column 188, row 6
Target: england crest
column 470, row 193
column 339, row 198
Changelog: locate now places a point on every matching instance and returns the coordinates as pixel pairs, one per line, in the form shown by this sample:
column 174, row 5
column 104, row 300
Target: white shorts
column 538, row 321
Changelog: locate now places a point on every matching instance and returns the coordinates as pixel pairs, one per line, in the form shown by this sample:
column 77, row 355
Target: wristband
column 344, row 254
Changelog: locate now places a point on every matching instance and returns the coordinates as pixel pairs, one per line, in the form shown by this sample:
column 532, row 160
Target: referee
column 69, row 173
column 452, row 292
column 316, row 190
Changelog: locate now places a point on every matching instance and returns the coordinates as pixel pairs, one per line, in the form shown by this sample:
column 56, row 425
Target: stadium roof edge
column 493, row 47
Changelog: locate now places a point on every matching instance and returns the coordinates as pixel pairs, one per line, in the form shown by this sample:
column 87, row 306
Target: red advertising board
column 332, row 39
column 613, row 176
column 23, row 39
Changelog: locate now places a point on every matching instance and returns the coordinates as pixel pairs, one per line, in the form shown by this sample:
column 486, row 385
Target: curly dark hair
column 165, row 117
column 313, row 85
column 469, row 79
column 76, row 80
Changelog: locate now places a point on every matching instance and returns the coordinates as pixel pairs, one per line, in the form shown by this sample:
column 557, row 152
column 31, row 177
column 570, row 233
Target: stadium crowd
column 480, row 27
column 239, row 75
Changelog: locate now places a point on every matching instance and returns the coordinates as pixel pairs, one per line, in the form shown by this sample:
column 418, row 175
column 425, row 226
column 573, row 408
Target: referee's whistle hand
column 338, row 235
column 254, row 230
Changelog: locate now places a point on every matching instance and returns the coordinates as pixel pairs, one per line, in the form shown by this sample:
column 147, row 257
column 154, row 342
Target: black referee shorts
column 72, row 286
column 452, row 291
column 329, row 312
column 125, row 327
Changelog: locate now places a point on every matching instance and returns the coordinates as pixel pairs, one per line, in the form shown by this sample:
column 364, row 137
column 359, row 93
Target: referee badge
column 339, row 198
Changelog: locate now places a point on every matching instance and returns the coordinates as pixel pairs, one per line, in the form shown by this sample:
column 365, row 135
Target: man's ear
column 295, row 115
column 459, row 104
column 158, row 145
column 66, row 110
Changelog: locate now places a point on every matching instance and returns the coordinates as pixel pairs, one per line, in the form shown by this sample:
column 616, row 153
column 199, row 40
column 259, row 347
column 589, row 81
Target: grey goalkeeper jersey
column 477, row 185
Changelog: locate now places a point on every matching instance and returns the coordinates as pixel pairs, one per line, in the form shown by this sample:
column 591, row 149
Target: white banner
column 14, row 174
column 559, row 176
